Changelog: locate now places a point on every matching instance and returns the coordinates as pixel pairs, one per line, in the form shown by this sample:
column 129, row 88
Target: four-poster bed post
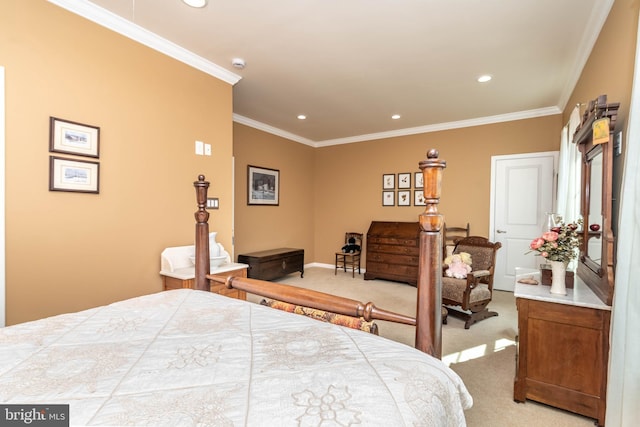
column 202, row 235
column 429, row 304
column 428, row 319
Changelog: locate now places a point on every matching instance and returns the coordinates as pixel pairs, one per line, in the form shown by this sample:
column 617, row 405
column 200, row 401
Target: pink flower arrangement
column 558, row 244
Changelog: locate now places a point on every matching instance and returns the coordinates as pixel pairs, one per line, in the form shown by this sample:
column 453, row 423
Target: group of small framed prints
column 397, row 189
column 76, row 173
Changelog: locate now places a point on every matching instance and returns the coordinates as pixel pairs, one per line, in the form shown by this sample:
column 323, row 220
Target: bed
column 193, row 357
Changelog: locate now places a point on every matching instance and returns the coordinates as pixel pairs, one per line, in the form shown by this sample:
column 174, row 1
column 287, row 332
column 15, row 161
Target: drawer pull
column 284, row 265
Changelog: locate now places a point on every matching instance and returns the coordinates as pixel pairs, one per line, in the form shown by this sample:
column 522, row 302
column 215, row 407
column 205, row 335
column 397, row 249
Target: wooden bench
column 273, row 263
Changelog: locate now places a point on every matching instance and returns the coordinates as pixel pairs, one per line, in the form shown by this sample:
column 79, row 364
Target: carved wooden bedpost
column 429, row 306
column 202, row 235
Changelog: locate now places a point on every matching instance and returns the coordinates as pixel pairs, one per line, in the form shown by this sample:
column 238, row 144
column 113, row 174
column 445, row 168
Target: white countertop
column 580, row 295
column 190, row 272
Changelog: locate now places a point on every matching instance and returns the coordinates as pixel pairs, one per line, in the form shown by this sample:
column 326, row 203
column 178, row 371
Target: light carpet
column 483, row 356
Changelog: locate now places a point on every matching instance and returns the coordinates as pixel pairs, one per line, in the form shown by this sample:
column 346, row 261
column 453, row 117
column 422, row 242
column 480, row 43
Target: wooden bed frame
column 428, row 320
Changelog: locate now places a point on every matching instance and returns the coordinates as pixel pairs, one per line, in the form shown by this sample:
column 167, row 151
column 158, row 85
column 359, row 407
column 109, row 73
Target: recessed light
column 196, row 3
column 395, row 116
column 485, row 78
column 301, row 116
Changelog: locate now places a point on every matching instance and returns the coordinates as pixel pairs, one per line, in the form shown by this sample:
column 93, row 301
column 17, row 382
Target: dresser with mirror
column 563, row 341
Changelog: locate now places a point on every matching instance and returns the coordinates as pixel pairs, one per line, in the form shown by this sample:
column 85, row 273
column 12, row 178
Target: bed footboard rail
column 310, row 298
column 428, row 321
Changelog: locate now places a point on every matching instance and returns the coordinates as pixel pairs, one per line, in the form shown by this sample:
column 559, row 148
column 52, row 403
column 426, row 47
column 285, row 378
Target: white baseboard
column 322, row 265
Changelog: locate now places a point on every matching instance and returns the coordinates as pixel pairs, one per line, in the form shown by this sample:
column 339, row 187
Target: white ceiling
column 348, row 65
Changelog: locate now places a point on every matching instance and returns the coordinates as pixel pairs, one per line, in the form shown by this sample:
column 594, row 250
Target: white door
column 522, row 192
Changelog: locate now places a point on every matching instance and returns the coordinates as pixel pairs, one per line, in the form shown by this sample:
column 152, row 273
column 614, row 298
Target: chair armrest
column 480, row 273
column 476, row 277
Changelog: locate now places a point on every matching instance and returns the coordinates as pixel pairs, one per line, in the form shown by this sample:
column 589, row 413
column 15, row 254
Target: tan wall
column 69, row 251
column 348, row 181
column 328, row 191
column 609, row 71
column 291, row 224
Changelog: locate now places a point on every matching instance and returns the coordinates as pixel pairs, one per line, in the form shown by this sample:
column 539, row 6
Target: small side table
column 185, row 278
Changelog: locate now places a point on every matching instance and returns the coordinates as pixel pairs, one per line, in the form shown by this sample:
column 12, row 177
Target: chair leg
column 473, row 317
column 478, row 316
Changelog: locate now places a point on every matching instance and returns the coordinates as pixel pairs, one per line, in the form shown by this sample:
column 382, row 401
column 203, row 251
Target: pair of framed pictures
column 402, row 181
column 76, row 139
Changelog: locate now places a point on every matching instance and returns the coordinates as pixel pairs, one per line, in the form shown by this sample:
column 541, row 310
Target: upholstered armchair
column 451, row 236
column 468, row 297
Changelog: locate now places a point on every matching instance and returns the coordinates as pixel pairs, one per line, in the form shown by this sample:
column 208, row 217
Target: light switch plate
column 207, row 149
column 199, row 148
column 212, row 203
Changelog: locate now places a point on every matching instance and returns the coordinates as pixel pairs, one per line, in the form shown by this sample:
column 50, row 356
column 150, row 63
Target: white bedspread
column 186, row 357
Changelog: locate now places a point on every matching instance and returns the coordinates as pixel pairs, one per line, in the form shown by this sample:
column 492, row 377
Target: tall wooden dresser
column 393, row 251
column 563, row 346
column 563, row 354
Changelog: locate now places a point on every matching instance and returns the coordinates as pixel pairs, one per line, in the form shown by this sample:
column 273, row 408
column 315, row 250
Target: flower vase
column 558, row 276
column 552, row 220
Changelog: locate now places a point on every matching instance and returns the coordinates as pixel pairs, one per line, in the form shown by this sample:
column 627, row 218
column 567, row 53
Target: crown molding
column 128, row 29
column 272, row 130
column 115, row 23
column 529, row 114
column 598, row 17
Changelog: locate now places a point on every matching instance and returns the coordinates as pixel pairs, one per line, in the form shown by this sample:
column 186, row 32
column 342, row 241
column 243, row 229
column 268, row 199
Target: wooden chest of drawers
column 273, row 263
column 562, row 356
column 393, row 251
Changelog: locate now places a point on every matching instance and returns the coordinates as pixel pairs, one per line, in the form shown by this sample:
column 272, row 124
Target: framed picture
column 73, row 175
column 404, row 180
column 263, row 186
column 419, row 180
column 388, row 198
column 418, row 198
column 73, row 138
column 388, row 181
column 404, row 198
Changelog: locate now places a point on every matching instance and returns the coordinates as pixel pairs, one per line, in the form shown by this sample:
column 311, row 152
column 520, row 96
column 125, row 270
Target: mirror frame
column 587, row 234
column 597, row 275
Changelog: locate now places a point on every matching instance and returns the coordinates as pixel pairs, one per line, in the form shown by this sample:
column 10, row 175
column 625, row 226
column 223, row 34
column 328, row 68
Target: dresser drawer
column 392, row 259
column 388, row 241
